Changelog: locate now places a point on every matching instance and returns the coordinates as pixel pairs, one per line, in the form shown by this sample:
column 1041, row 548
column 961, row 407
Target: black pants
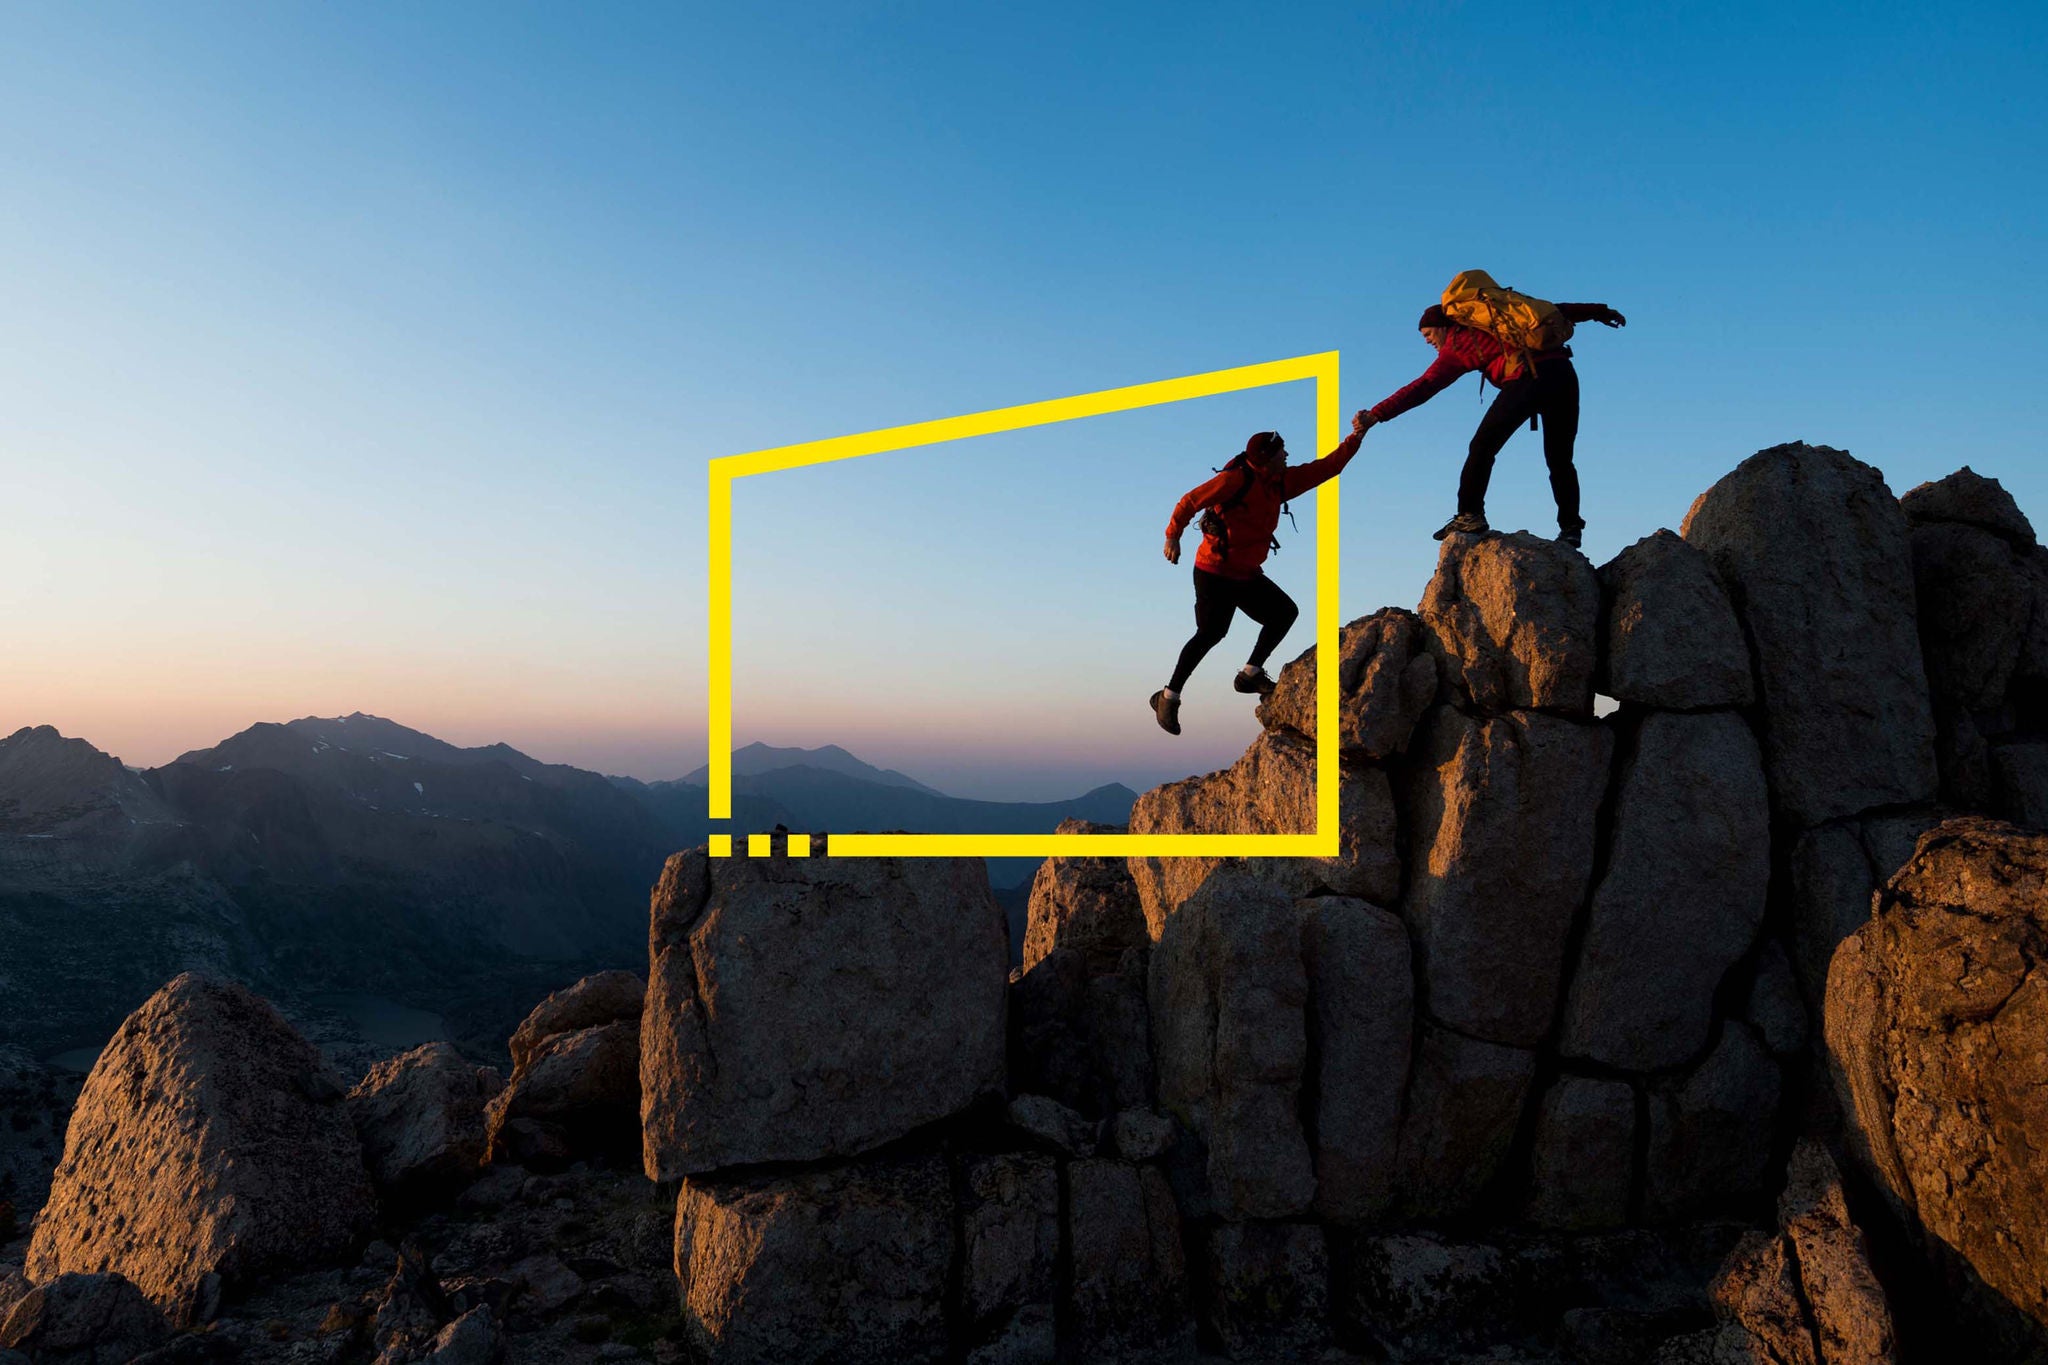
column 1217, row 600
column 1552, row 393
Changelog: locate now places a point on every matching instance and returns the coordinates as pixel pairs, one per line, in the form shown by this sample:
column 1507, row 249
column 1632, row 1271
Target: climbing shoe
column 1463, row 524
column 1166, row 710
column 1569, row 536
column 1258, row 680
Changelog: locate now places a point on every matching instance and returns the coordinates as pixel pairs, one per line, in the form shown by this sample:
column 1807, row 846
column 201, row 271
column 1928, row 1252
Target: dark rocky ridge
column 1333, row 1108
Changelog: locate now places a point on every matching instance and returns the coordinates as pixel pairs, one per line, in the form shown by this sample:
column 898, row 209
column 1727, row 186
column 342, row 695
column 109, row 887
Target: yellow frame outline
column 1323, row 843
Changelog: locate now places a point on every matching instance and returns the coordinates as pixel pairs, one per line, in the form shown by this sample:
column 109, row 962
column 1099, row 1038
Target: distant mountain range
column 354, row 854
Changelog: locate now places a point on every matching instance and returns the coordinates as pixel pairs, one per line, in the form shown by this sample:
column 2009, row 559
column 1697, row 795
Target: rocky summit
column 1699, row 1028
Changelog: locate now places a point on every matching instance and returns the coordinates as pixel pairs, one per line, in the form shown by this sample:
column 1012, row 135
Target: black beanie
column 1433, row 316
column 1261, row 442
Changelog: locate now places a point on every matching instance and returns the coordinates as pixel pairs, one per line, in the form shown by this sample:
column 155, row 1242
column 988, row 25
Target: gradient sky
column 368, row 357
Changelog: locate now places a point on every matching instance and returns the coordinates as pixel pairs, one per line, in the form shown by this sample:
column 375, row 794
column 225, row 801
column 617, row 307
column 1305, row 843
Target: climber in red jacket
column 1546, row 387
column 1243, row 503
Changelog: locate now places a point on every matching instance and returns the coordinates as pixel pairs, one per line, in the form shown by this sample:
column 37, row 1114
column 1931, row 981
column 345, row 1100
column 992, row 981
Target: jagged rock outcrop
column 1967, row 498
column 1813, row 549
column 1386, row 679
column 1682, row 896
column 1089, row 905
column 420, row 1116
column 1514, row 620
column 800, row 1008
column 575, row 1086
column 1270, row 790
column 1805, row 1295
column 1501, row 815
column 846, row 1264
column 1937, row 1033
column 79, row 1319
column 1669, row 635
column 1228, row 992
column 210, row 1147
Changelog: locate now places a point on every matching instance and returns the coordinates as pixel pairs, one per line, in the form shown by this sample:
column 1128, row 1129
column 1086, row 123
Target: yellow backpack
column 1522, row 323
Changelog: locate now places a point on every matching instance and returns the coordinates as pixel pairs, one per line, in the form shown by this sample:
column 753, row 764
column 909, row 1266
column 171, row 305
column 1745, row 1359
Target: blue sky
column 362, row 358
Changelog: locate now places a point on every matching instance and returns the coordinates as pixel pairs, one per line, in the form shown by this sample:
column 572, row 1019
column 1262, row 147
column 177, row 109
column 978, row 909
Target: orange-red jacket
column 1250, row 521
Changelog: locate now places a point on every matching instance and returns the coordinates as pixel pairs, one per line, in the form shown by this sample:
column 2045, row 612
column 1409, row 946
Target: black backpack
column 1215, row 525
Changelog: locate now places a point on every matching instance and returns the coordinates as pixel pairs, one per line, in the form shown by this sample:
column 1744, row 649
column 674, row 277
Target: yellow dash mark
column 799, row 845
column 721, row 845
column 757, row 845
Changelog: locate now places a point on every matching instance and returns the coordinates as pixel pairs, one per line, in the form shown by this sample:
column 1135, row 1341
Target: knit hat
column 1262, row 442
column 1433, row 316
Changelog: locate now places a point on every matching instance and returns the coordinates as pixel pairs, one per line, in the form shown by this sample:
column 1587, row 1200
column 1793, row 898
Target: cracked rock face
column 801, row 1008
column 420, row 1116
column 1814, row 551
column 1515, row 621
column 1386, row 679
column 211, row 1146
column 1937, row 1034
column 1672, row 640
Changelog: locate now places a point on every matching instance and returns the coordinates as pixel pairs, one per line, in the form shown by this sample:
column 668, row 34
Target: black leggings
column 1551, row 393
column 1217, row 600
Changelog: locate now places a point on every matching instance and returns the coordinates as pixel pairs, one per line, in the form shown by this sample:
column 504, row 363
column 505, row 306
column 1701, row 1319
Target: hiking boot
column 1570, row 536
column 1260, row 682
column 1166, row 710
column 1463, row 524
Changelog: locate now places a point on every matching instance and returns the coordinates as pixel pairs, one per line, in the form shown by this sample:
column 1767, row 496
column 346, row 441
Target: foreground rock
column 1501, row 816
column 575, row 1087
column 420, row 1116
column 1515, row 620
column 84, row 1320
column 211, row 1147
column 1813, row 549
column 1937, row 1030
column 800, row 1008
column 846, row 1265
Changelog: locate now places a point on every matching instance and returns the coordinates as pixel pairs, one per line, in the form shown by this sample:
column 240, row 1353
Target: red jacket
column 1466, row 349
column 1251, row 521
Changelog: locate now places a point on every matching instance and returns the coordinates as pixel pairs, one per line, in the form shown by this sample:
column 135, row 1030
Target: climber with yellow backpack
column 1517, row 342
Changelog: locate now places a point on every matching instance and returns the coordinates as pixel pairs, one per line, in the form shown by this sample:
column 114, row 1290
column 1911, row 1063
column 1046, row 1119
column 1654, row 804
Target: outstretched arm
column 1592, row 312
column 1301, row 478
column 1441, row 374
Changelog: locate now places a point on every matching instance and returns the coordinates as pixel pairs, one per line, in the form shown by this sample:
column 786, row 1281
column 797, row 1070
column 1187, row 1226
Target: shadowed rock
column 1584, row 1152
column 1362, row 1014
column 576, row 1095
column 1514, row 620
column 1682, row 897
column 1968, row 498
column 1010, row 1226
column 1386, row 679
column 1464, row 1103
column 1501, row 815
column 80, row 1319
column 800, row 1008
column 1228, row 990
column 1128, row 1296
column 211, row 1147
column 1937, row 1034
column 1087, row 904
column 1710, row 1133
column 1267, row 1289
column 603, row 998
column 1670, row 636
column 843, row 1265
column 420, row 1116
column 1814, row 551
